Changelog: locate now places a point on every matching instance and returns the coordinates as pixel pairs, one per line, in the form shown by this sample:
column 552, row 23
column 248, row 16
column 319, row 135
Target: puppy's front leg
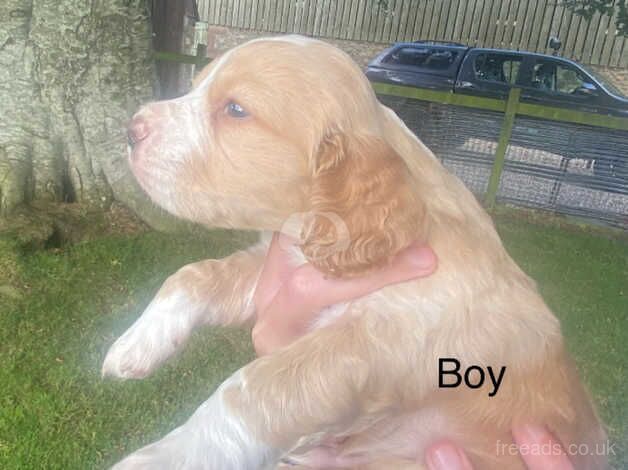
column 216, row 292
column 323, row 382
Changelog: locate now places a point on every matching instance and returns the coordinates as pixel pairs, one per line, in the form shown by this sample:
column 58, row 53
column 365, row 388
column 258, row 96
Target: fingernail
column 425, row 258
column 447, row 457
column 530, row 434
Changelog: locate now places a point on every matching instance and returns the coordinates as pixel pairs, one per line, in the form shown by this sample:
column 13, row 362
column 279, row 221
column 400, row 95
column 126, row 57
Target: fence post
column 201, row 52
column 504, row 139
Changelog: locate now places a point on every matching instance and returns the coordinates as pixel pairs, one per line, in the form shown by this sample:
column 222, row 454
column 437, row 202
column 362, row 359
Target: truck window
column 496, row 67
column 424, row 57
column 552, row 76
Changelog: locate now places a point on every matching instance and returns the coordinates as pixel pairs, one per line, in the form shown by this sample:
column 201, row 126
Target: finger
column 418, row 260
column 275, row 271
column 446, row 456
column 549, row 454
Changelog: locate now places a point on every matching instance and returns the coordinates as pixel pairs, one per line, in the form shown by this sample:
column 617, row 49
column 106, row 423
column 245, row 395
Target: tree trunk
column 72, row 72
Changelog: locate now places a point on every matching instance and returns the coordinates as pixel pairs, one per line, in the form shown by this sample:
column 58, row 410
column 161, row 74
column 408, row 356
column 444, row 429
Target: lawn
column 60, row 309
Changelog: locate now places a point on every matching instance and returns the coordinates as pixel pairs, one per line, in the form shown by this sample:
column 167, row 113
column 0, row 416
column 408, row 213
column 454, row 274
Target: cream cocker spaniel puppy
column 289, row 125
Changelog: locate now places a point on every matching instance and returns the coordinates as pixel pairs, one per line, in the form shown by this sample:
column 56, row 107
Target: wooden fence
column 512, row 24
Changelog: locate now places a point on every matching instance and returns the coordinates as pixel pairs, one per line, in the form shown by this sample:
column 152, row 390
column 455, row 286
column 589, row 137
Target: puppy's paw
column 152, row 339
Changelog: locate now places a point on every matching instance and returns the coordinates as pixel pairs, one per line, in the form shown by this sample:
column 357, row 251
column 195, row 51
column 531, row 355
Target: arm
column 317, row 383
column 212, row 292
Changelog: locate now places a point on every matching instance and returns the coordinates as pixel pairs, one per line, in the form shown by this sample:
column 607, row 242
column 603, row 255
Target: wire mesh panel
column 566, row 168
column 463, row 139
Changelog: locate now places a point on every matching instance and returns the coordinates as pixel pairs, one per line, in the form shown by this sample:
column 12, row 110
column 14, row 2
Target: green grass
column 57, row 413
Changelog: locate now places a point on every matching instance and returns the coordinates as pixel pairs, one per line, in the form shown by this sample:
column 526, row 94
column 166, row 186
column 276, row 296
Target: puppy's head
column 273, row 128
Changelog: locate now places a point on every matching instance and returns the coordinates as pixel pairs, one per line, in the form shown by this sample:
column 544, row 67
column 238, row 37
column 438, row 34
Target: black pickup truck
column 543, row 79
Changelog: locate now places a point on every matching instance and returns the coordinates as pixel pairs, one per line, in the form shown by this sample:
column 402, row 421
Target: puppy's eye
column 234, row 110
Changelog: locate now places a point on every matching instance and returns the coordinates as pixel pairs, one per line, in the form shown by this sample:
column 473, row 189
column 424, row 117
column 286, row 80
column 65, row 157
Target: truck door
column 489, row 73
column 555, row 82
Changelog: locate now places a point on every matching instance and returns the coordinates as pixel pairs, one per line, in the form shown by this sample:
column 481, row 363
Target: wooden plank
column 414, row 22
column 291, row 17
column 283, row 13
column 542, row 35
column 236, row 14
column 532, row 24
column 609, row 43
column 565, row 31
column 218, row 10
column 181, row 58
column 224, row 12
column 601, row 41
column 574, row 117
column 512, row 41
column 623, row 58
column 209, row 11
column 352, row 12
column 484, row 24
column 441, row 31
column 490, row 104
column 569, row 33
column 350, row 15
column 616, row 51
column 252, row 14
column 502, row 145
column 468, row 8
column 520, row 20
column 396, row 21
column 305, row 16
column 407, row 18
column 592, row 37
column 491, row 30
column 476, row 23
column 584, row 29
column 229, row 13
column 318, row 11
column 336, row 19
column 274, row 18
column 453, row 21
column 311, row 17
column 391, row 20
column 442, row 97
column 382, row 13
column 250, row 21
column 347, row 16
column 425, row 20
column 316, row 31
column 434, row 21
column 360, row 21
column 244, row 12
column 504, row 24
column 444, row 24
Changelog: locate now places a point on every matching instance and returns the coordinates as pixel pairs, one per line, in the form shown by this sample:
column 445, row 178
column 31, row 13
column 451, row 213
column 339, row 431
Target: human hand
column 446, row 456
column 288, row 298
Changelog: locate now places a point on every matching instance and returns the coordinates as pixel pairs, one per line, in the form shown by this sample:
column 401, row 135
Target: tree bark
column 72, row 72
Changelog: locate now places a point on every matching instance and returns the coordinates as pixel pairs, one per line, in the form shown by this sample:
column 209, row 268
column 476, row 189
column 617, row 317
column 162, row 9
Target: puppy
column 290, row 125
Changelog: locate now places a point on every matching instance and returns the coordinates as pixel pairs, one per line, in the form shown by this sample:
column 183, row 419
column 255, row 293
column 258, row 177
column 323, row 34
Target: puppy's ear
column 363, row 208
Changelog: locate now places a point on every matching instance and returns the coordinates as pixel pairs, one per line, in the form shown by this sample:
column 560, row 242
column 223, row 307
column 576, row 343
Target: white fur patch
column 212, row 439
column 154, row 337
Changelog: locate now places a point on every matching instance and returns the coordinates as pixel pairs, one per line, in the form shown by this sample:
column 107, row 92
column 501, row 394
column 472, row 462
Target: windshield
column 606, row 83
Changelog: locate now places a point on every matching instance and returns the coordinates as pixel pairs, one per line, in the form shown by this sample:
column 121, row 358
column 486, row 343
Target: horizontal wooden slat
column 489, row 104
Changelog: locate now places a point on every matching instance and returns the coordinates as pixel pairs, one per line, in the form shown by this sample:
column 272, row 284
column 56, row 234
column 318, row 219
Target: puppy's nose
column 138, row 130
